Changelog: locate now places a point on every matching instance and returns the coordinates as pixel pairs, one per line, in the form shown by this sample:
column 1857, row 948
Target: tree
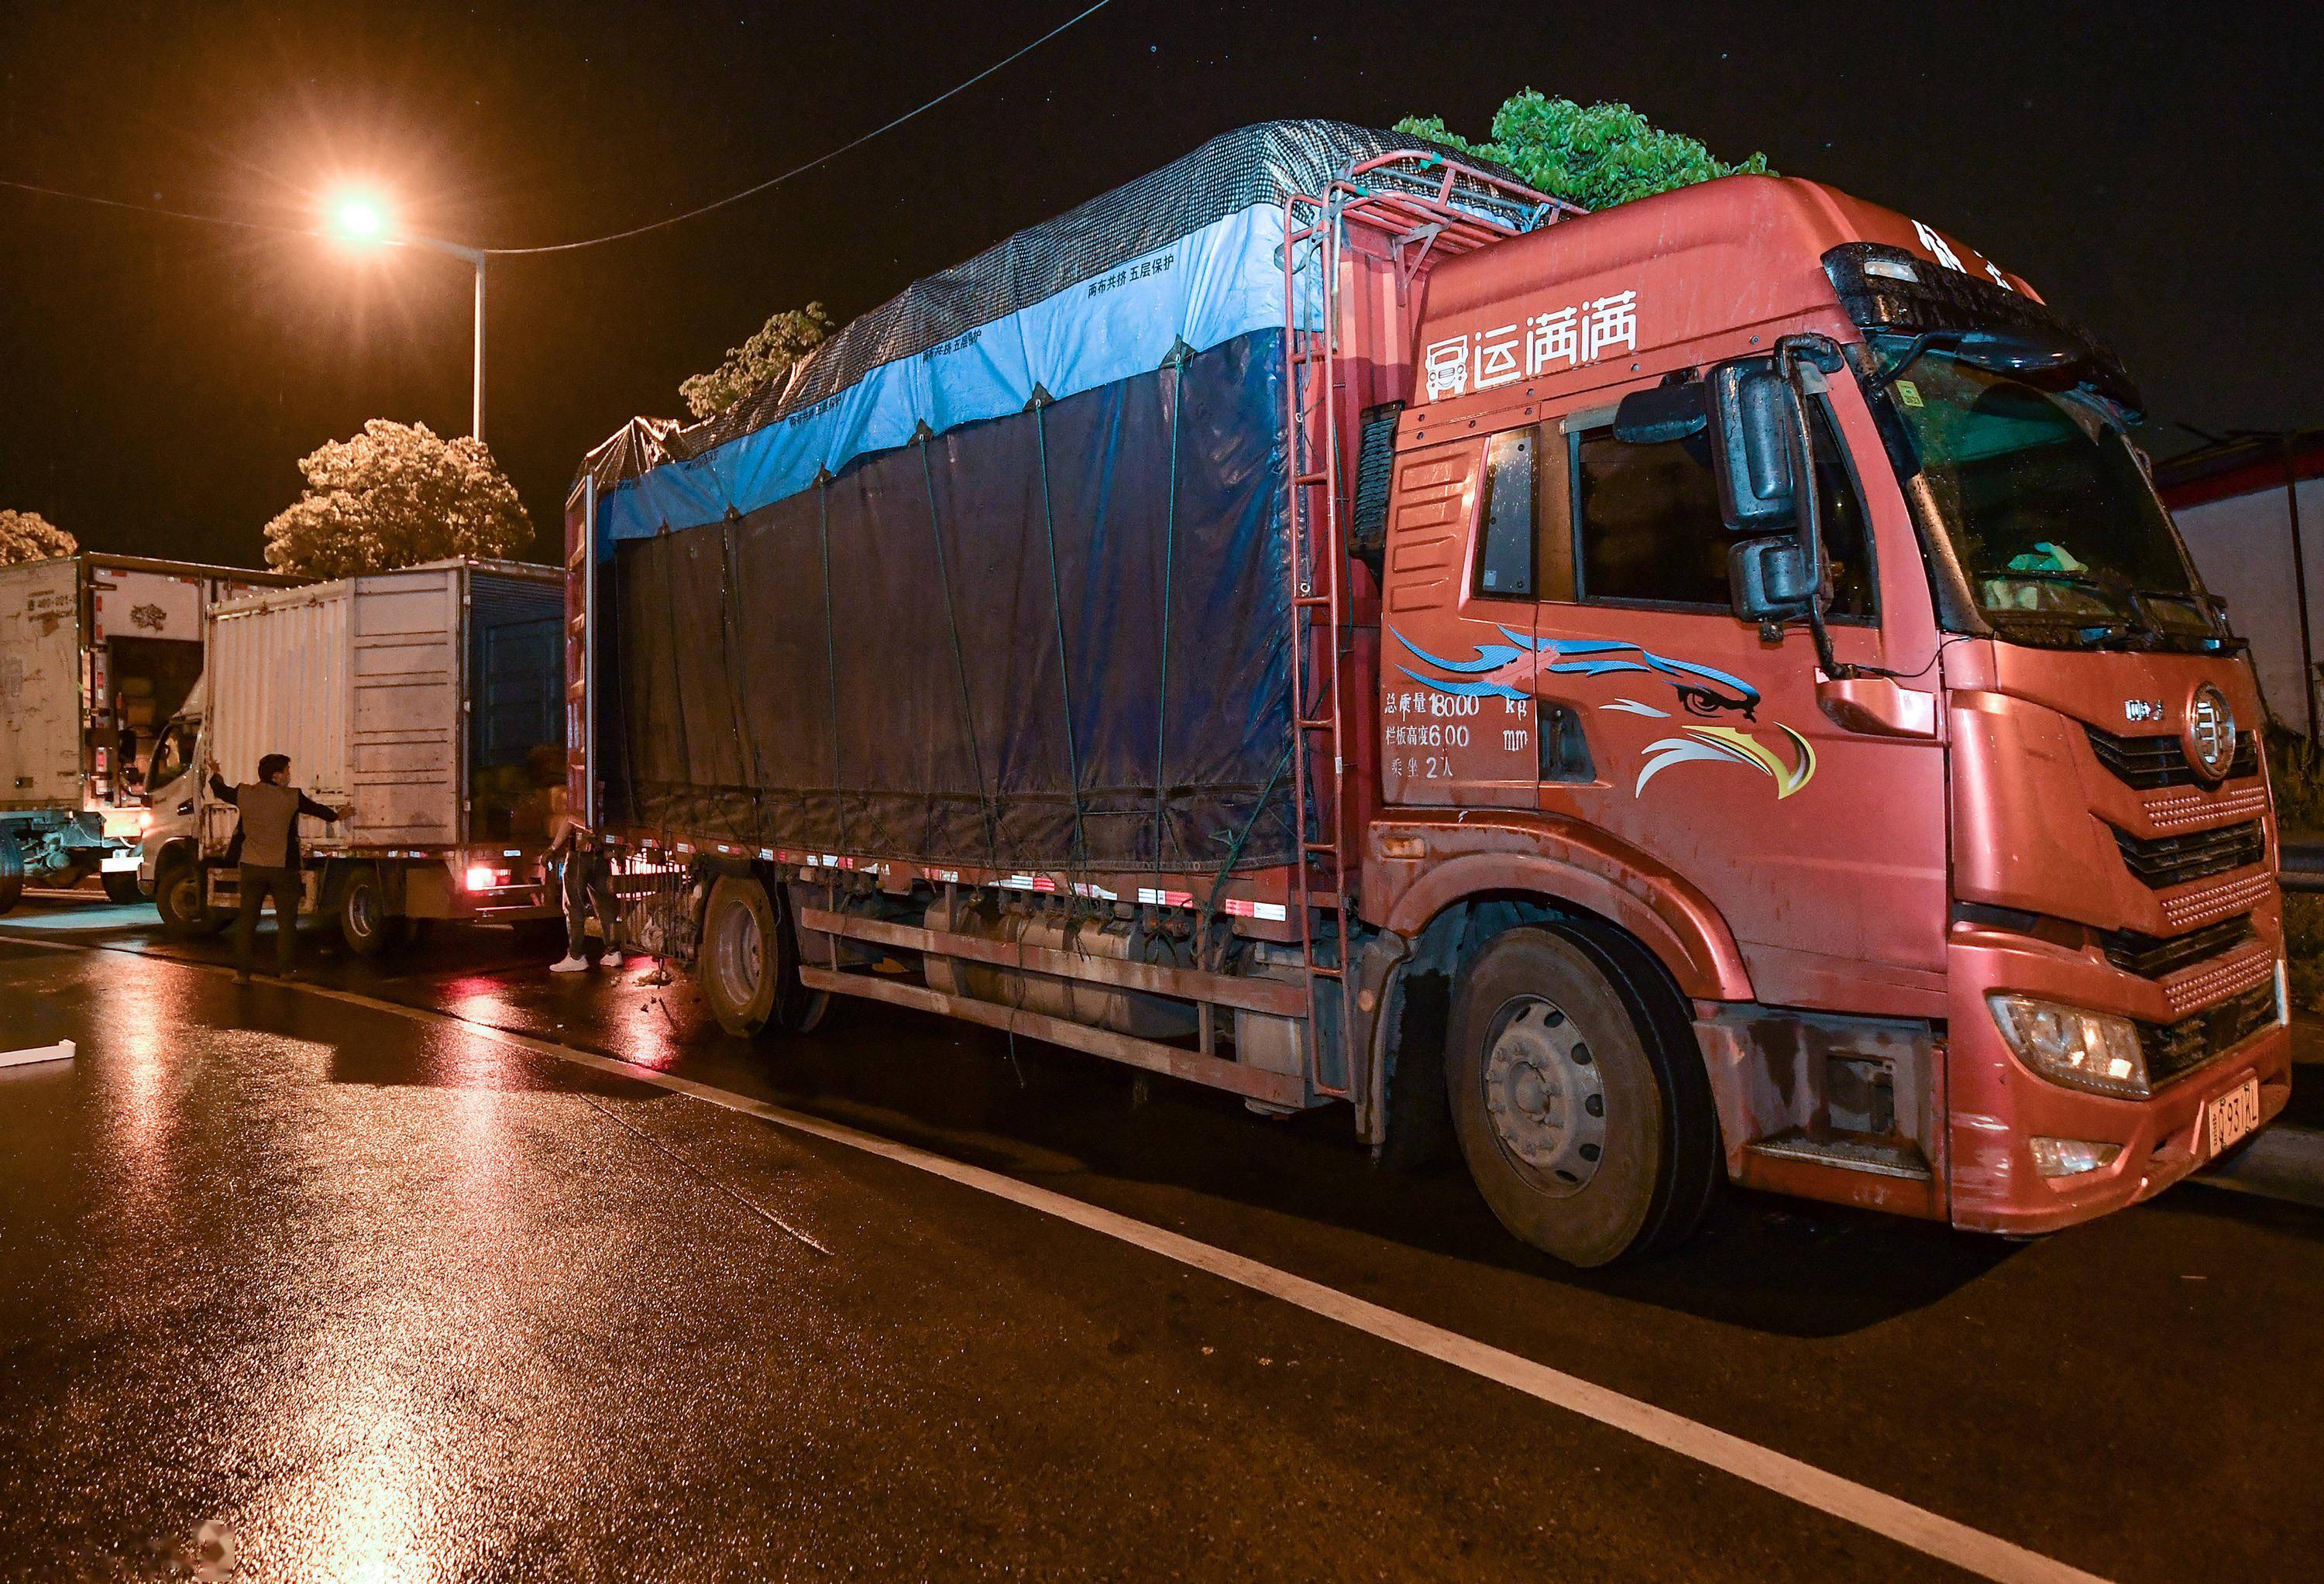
column 784, row 339
column 27, row 536
column 1596, row 155
column 393, row 495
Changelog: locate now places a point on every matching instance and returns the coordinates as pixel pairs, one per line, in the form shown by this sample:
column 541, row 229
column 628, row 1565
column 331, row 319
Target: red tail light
column 481, row 878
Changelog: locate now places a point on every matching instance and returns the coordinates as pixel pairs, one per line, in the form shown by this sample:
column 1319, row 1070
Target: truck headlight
column 2068, row 1046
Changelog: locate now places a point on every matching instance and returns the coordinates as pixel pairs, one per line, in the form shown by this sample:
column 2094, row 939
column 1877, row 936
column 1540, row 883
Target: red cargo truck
column 1698, row 693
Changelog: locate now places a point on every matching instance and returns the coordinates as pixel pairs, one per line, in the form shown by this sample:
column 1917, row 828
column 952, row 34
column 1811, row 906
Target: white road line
column 1987, row 1556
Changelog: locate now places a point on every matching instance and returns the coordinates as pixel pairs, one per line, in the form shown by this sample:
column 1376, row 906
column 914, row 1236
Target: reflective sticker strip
column 1100, row 892
column 950, row 877
column 766, row 855
column 1029, row 882
column 1273, row 911
column 1165, row 898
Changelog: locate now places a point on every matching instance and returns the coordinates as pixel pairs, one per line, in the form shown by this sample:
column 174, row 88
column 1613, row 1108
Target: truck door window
column 1650, row 521
column 171, row 755
column 1847, row 531
column 1650, row 532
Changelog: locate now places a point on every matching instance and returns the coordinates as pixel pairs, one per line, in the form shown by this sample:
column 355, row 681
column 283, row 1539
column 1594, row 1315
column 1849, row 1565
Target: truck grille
column 2173, row 1050
column 2163, row 861
column 2155, row 956
column 2149, row 762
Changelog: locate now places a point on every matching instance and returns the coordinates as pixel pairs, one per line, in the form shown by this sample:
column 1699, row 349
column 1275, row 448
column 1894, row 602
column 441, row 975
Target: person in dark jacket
column 585, row 877
column 268, row 838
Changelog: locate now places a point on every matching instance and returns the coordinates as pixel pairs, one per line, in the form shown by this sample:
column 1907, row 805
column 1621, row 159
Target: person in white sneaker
column 585, row 880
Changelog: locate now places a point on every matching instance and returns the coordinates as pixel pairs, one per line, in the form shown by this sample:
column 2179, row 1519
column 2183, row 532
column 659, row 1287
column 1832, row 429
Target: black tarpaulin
column 1052, row 639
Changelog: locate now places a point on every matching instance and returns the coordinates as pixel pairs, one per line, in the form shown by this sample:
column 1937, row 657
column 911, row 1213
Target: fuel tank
column 1124, row 938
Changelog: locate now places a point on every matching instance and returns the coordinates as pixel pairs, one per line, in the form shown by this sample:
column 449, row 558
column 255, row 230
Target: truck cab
column 97, row 652
column 1774, row 576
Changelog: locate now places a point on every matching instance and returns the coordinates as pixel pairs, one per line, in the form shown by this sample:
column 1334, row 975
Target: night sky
column 2151, row 170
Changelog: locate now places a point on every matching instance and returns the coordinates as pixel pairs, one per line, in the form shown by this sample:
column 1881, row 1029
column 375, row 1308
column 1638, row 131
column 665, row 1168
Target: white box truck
column 428, row 700
column 97, row 654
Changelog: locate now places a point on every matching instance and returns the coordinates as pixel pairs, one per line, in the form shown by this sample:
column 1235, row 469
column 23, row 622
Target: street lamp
column 358, row 218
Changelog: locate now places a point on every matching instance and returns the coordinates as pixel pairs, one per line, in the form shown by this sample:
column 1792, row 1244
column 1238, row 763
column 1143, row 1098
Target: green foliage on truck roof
column 1594, row 155
column 787, row 337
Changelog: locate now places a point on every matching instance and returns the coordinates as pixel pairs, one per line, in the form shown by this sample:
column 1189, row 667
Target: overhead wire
column 663, row 223
column 819, row 160
column 84, row 198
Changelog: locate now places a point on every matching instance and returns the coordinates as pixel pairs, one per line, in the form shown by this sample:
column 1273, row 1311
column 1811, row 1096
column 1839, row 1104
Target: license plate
column 2233, row 1114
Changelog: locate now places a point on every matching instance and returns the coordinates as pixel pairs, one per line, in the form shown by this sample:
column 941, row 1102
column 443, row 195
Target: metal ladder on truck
column 1319, row 628
column 1409, row 198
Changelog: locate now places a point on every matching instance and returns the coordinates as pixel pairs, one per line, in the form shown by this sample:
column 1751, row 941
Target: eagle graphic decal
column 1514, row 671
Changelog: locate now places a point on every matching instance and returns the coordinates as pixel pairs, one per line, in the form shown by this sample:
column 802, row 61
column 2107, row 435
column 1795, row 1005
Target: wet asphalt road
column 393, row 1299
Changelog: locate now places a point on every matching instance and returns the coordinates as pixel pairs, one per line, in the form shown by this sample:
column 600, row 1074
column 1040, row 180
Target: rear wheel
column 121, row 886
column 1579, row 1102
column 12, row 872
column 748, row 967
column 365, row 925
column 178, row 899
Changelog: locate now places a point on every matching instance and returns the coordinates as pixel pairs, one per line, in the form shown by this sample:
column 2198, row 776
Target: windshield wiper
column 2092, row 627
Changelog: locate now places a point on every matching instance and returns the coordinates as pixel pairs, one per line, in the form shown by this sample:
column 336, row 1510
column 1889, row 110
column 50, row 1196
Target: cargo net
column 1261, row 164
column 656, row 899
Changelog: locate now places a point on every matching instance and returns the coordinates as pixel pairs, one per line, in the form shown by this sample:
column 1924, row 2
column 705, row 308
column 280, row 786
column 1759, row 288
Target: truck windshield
column 2050, row 514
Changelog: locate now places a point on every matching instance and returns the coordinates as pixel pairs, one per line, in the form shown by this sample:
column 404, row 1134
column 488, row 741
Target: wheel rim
column 185, row 896
column 740, row 957
column 359, row 911
column 1546, row 1095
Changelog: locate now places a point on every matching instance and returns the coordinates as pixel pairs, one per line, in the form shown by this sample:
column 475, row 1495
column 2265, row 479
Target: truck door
column 1461, row 580
column 1823, row 848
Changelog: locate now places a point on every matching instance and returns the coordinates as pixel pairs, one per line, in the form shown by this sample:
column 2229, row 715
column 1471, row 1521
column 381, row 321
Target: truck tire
column 1578, row 1097
column 748, row 967
column 121, row 886
column 365, row 925
column 12, row 872
column 178, row 899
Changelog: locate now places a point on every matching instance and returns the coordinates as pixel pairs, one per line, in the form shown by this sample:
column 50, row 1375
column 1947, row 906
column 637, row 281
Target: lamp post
column 361, row 220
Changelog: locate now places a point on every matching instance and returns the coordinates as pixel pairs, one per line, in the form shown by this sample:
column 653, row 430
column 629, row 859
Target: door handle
column 1876, row 707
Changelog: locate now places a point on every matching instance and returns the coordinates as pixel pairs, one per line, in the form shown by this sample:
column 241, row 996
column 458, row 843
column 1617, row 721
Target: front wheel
column 121, row 886
column 12, row 872
column 1580, row 1105
column 748, row 965
column 178, row 899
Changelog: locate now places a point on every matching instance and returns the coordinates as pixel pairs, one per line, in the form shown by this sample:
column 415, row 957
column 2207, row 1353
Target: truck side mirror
column 1754, row 422
column 1769, row 580
column 1660, row 414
